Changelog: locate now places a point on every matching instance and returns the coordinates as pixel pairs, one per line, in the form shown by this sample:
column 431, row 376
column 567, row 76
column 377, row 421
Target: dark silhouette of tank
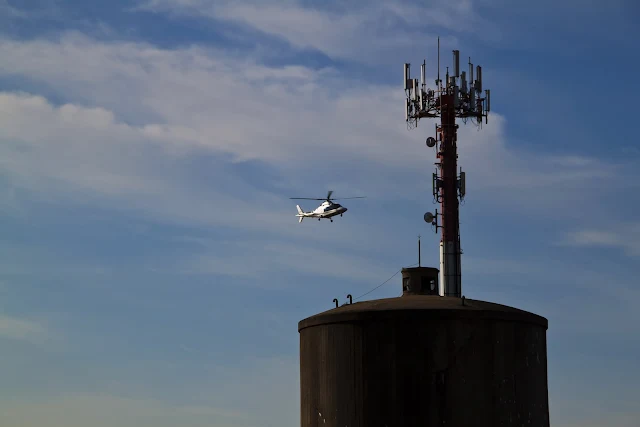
column 423, row 360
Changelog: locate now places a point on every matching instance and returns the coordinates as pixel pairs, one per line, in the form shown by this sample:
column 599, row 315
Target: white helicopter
column 326, row 210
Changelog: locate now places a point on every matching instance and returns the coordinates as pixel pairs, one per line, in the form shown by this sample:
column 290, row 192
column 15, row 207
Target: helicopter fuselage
column 325, row 210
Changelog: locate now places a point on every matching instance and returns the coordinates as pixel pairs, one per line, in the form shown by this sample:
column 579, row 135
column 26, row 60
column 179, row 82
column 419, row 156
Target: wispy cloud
column 11, row 11
column 20, row 329
column 360, row 31
column 595, row 238
column 185, row 101
column 376, row 31
column 84, row 154
column 624, row 236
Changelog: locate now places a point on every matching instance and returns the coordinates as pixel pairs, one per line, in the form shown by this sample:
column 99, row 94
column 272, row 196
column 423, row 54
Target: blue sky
column 152, row 269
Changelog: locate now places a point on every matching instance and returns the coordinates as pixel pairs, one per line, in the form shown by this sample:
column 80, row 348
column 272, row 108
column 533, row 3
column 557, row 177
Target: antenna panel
column 407, row 70
column 472, row 99
column 479, row 79
column 456, row 97
column 423, row 73
column 463, row 186
column 463, row 82
column 470, row 71
column 456, row 63
column 488, row 100
column 407, row 106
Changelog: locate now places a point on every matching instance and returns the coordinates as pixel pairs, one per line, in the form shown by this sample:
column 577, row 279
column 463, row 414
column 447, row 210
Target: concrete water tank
column 423, row 360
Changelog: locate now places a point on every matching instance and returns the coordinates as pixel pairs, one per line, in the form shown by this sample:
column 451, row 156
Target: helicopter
column 326, row 210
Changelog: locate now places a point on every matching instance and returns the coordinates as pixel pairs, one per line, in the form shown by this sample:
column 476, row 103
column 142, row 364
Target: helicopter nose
column 344, row 210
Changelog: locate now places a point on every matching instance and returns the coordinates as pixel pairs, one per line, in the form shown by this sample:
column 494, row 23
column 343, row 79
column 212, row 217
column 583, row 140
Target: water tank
column 423, row 360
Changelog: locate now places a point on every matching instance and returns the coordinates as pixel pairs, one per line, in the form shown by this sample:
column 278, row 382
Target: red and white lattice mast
column 460, row 95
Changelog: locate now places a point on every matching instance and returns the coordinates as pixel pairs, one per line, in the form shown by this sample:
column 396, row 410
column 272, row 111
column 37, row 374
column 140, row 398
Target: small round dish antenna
column 431, row 142
column 428, row 217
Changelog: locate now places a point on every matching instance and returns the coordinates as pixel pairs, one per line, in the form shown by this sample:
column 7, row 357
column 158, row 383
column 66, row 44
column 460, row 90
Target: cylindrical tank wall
column 411, row 369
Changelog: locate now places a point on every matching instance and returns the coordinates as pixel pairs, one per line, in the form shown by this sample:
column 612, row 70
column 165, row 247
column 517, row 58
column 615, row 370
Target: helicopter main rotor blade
column 343, row 198
column 329, row 194
column 303, row 198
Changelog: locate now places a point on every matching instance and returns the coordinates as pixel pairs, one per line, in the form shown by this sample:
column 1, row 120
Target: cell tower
column 461, row 96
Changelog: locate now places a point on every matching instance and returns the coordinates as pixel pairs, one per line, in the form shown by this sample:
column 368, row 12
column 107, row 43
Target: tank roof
column 429, row 306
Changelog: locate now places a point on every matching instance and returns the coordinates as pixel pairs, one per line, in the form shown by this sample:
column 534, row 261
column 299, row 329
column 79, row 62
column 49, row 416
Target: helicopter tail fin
column 300, row 213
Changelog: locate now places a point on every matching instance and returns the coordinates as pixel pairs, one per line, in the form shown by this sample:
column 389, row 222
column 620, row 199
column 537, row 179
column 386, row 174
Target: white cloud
column 595, row 238
column 139, row 117
column 20, row 329
column 362, row 31
column 196, row 101
column 83, row 153
column 70, row 144
column 375, row 31
column 624, row 236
